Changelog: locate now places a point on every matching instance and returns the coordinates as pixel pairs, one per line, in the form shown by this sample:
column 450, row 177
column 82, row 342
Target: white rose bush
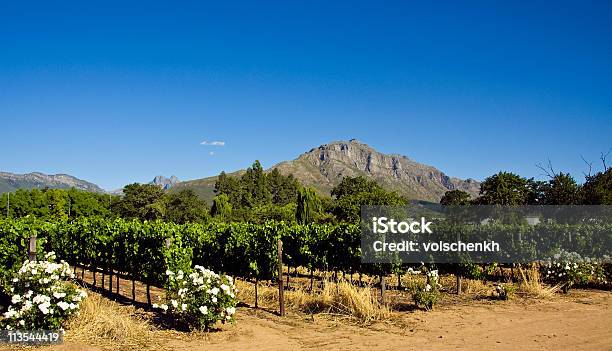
column 200, row 298
column 426, row 296
column 42, row 296
column 569, row 268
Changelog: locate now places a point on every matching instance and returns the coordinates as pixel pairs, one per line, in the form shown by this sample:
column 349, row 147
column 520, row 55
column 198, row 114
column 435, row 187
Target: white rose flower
column 63, row 305
column 203, row 309
column 214, row 299
column 10, row 313
column 16, row 299
column 58, row 295
column 26, row 306
column 44, row 307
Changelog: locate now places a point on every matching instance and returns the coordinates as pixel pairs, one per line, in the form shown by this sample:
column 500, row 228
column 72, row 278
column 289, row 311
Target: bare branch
column 548, row 171
column 590, row 164
column 603, row 157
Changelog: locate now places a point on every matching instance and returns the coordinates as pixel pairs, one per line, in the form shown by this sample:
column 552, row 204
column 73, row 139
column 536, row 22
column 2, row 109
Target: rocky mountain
column 325, row 166
column 11, row 182
column 165, row 183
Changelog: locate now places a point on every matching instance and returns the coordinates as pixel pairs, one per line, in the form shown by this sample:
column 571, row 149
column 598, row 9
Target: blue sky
column 115, row 93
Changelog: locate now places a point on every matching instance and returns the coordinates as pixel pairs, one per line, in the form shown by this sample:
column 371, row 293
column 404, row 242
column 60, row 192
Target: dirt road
column 581, row 321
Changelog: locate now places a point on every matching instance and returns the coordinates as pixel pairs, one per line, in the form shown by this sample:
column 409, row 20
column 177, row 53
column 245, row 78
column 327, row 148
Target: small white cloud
column 213, row 143
column 211, row 153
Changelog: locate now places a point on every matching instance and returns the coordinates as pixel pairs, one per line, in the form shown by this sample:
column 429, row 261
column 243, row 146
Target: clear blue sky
column 115, row 93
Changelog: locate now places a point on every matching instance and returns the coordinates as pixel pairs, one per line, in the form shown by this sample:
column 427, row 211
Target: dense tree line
column 142, row 201
column 55, row 203
column 505, row 188
column 257, row 196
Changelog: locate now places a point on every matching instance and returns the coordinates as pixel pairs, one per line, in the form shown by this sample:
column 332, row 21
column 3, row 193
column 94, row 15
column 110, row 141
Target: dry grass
column 102, row 322
column 347, row 300
column 531, row 284
column 475, row 286
column 343, row 299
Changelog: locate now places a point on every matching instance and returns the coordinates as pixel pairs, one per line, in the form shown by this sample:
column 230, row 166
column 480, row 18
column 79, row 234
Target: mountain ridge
column 324, row 166
column 37, row 180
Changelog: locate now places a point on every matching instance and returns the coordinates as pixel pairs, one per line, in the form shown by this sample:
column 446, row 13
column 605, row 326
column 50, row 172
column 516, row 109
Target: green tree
column 255, row 189
column 231, row 187
column 597, row 190
column 308, row 206
column 221, row 207
column 58, row 203
column 505, row 188
column 455, row 198
column 354, row 185
column 353, row 193
column 283, row 189
column 144, row 201
column 562, row 189
column 185, row 207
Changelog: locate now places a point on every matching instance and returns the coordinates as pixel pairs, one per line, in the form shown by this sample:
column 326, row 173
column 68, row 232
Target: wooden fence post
column 383, row 288
column 256, row 284
column 32, row 249
column 458, row 275
column 281, row 294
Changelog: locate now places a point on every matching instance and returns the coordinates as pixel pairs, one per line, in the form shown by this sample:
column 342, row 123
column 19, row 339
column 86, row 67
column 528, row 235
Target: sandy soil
column 581, row 321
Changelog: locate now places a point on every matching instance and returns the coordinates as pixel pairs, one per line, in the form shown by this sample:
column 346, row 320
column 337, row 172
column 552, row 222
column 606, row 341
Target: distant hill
column 10, row 182
column 165, row 183
column 204, row 187
column 325, row 166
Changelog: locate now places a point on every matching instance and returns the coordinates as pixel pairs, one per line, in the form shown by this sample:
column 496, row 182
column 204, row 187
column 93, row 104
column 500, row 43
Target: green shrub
column 569, row 269
column 200, row 298
column 426, row 296
column 42, row 296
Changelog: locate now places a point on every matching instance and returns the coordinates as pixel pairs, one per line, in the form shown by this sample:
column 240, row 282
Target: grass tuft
column 102, row 322
column 531, row 284
column 343, row 298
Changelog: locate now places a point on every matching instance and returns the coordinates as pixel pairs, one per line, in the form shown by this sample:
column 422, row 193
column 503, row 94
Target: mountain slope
column 325, row 166
column 204, row 187
column 11, row 182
